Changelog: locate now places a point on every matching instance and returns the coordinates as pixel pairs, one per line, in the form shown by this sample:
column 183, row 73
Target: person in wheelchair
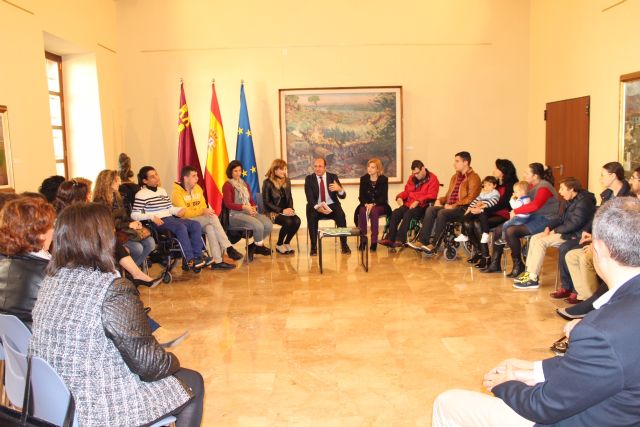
column 464, row 187
column 421, row 188
column 152, row 204
column 188, row 194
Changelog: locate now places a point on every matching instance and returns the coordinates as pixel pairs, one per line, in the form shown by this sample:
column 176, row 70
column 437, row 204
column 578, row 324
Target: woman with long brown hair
column 138, row 245
column 278, row 204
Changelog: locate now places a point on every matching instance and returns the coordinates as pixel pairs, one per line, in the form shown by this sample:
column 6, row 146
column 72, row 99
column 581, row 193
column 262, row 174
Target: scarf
column 240, row 188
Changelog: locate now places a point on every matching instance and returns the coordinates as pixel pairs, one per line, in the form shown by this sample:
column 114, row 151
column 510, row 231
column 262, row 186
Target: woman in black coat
column 278, row 205
column 373, row 197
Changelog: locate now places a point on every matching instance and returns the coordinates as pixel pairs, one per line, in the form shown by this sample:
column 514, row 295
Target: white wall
column 463, row 64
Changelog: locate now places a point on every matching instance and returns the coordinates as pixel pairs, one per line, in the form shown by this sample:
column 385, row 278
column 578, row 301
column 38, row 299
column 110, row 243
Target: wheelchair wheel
column 450, row 253
column 166, row 277
column 468, row 247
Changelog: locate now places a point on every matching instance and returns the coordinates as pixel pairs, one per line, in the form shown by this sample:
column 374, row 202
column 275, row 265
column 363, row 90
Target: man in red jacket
column 421, row 188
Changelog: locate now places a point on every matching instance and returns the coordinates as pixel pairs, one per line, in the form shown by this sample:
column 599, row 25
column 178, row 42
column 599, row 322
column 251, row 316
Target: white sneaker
column 484, row 238
column 461, row 238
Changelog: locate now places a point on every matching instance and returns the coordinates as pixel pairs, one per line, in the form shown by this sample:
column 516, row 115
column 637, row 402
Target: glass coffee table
column 345, row 232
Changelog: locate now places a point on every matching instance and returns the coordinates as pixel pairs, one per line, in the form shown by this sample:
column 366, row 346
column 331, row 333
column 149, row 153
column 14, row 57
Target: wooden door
column 567, row 139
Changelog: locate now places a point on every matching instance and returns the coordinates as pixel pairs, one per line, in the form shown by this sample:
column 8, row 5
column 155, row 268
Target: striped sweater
column 149, row 203
column 489, row 198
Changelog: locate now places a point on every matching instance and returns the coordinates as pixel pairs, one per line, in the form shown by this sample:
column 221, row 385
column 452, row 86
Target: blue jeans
column 139, row 251
column 188, row 233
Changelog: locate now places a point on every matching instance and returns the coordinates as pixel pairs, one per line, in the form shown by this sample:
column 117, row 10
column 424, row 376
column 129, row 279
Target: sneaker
column 199, row 262
column 461, row 238
column 194, row 265
column 233, row 254
column 500, row 242
column 417, row 245
column 222, row 266
column 207, row 261
column 522, row 278
column 484, row 238
column 529, row 284
column 262, row 250
column 560, row 293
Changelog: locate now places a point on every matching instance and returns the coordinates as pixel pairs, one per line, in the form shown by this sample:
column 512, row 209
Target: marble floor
column 278, row 344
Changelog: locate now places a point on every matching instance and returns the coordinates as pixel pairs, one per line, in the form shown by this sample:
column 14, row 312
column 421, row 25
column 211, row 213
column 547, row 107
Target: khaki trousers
column 464, row 408
column 217, row 240
column 583, row 273
column 537, row 247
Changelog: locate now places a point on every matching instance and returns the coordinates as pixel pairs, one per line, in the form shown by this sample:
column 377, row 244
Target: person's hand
column 181, row 212
column 498, row 376
column 323, row 210
column 569, row 326
column 467, row 211
column 334, row 186
column 512, row 214
column 156, row 220
column 288, row 212
column 136, row 225
column 210, row 212
column 414, row 204
column 476, row 210
column 585, row 238
column 368, row 206
column 437, row 203
column 546, row 231
column 587, row 249
column 481, row 205
column 399, row 201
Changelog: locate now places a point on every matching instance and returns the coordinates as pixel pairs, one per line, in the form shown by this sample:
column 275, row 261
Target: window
column 56, row 106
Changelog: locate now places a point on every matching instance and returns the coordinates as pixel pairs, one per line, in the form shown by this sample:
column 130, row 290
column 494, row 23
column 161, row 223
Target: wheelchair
column 452, row 229
column 168, row 250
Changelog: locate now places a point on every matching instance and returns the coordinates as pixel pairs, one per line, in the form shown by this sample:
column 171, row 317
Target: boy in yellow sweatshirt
column 189, row 195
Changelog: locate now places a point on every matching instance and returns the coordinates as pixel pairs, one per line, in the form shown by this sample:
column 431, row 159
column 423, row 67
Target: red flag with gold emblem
column 187, row 153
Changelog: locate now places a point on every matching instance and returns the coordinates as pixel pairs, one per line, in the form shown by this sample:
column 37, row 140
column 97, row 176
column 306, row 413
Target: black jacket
column 378, row 195
column 577, row 216
column 312, row 189
column 20, row 278
column 125, row 323
column 625, row 191
column 272, row 196
column 597, row 382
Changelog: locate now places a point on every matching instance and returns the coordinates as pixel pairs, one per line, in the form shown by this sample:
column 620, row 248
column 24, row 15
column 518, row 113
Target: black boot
column 496, row 260
column 483, row 263
column 518, row 266
column 474, row 258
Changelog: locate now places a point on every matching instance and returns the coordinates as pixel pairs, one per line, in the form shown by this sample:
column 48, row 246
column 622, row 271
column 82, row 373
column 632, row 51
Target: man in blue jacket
column 597, row 382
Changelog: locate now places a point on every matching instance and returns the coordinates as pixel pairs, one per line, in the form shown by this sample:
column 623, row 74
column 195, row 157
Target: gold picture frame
column 6, row 165
column 629, row 146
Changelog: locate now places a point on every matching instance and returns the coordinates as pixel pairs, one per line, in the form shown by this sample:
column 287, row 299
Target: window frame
column 65, row 160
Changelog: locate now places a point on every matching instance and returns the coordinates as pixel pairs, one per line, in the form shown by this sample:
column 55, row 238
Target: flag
column 244, row 148
column 187, row 153
column 217, row 157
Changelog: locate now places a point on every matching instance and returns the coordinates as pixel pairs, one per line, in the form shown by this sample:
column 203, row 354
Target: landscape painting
column 630, row 122
column 345, row 126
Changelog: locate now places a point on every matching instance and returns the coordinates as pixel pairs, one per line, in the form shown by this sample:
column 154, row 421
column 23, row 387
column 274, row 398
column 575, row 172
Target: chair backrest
column 259, row 203
column 51, row 397
column 15, row 372
column 13, row 327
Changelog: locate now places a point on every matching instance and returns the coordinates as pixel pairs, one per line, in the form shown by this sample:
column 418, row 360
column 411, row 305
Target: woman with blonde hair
column 373, row 197
column 278, row 204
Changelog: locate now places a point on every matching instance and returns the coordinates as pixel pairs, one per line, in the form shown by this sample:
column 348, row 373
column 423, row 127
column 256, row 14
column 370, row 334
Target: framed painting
column 346, row 126
column 629, row 154
column 6, row 171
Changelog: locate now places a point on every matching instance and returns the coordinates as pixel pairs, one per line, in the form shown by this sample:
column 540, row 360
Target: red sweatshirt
column 428, row 191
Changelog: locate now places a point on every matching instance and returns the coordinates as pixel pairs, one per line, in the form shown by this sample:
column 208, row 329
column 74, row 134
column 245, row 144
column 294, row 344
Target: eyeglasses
column 634, row 178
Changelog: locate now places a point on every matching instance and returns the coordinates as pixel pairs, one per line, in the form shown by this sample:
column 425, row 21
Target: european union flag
column 244, row 147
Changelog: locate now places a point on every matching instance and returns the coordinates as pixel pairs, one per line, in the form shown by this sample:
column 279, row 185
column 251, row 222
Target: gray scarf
column 241, row 189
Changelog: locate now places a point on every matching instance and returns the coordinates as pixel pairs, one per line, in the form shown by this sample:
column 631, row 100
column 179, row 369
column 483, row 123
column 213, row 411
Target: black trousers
column 189, row 414
column 565, row 276
column 290, row 225
column 440, row 216
column 313, row 216
column 402, row 217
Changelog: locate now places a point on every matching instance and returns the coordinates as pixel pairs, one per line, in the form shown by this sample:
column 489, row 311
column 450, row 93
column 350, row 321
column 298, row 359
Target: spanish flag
column 217, row 157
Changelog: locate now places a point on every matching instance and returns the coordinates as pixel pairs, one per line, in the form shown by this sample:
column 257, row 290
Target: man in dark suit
column 597, row 382
column 324, row 191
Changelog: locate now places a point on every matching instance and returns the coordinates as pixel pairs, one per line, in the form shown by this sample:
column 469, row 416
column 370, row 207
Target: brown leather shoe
column 560, row 293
